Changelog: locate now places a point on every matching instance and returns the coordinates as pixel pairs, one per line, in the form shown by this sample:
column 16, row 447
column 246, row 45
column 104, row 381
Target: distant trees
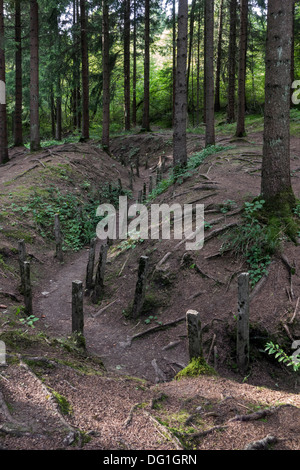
column 73, row 64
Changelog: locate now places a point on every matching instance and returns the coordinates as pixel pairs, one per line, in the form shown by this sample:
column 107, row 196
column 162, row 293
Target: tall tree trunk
column 106, row 76
column 190, row 46
column 34, row 76
column 276, row 186
column 232, row 62
column 134, row 70
column 127, row 64
column 198, row 68
column 3, row 117
column 58, row 82
column 85, row 72
column 240, row 128
column 146, row 107
column 219, row 57
column 209, row 73
column 174, row 57
column 18, row 131
column 180, row 116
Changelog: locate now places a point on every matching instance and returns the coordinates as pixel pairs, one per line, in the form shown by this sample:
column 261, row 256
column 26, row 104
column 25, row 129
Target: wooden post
column 150, row 185
column 99, row 280
column 194, row 333
column 27, row 289
column 140, row 288
column 90, row 266
column 58, row 238
column 242, row 347
column 77, row 307
column 22, row 259
column 137, row 164
column 144, row 192
column 140, row 197
column 130, row 177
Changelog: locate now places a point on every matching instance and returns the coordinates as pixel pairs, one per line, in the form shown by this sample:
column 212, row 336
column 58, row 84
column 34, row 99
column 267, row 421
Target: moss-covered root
column 197, row 366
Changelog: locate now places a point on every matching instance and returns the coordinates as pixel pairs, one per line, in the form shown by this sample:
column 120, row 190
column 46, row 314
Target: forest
column 143, row 342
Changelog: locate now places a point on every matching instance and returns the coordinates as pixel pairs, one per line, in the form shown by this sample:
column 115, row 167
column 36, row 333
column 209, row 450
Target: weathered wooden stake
column 140, row 288
column 90, row 266
column 140, row 197
column 120, row 184
column 242, row 347
column 58, row 238
column 194, row 333
column 22, row 258
column 130, row 177
column 27, row 289
column 77, row 307
column 150, row 185
column 99, row 279
column 144, row 192
column 137, row 165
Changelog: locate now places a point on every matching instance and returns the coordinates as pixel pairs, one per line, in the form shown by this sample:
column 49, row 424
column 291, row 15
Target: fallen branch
column 220, row 230
column 262, row 444
column 258, row 414
column 153, row 330
column 203, row 274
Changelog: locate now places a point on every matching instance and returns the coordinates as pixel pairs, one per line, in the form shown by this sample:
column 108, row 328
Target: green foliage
column 282, row 356
column 77, row 217
column 180, row 174
column 253, row 240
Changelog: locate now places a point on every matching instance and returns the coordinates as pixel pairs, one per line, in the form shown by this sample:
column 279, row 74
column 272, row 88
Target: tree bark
column 3, row 117
column 18, row 132
column 173, row 57
column 134, row 71
column 84, row 72
column 232, row 62
column 209, row 73
column 180, row 115
column 240, row 129
column 219, row 57
column 106, row 77
column 127, row 64
column 146, row 108
column 276, row 186
column 34, row 76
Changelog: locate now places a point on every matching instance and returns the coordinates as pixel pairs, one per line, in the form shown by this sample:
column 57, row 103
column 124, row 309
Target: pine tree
column 34, row 76
column 180, row 113
column 3, row 119
column 276, row 186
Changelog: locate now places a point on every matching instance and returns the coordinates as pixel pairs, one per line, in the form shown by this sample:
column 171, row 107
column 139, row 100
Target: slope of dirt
column 110, row 408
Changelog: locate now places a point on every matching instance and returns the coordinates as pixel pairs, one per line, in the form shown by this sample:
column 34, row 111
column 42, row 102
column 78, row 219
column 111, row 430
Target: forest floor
column 121, row 393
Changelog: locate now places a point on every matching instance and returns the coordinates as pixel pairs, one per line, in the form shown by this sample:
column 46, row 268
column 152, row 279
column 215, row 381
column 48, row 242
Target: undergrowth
column 178, row 175
column 78, row 217
column 257, row 239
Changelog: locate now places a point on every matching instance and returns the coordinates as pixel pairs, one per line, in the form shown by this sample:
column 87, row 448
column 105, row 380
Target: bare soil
column 122, row 391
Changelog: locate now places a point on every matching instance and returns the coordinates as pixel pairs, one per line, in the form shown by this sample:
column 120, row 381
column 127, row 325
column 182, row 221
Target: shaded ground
column 118, row 412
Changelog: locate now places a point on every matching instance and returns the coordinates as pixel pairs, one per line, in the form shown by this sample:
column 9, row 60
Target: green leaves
column 281, row 355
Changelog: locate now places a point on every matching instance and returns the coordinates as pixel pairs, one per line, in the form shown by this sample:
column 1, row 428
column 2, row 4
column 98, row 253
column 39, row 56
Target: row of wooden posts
column 95, row 286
